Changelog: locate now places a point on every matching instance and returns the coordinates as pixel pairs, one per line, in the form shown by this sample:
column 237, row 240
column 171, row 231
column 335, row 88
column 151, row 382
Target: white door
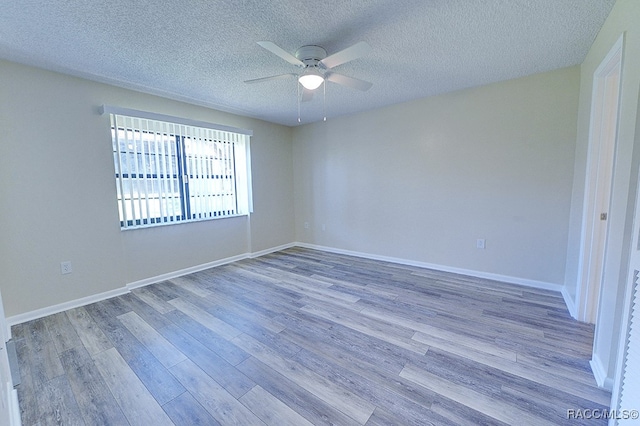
column 602, row 142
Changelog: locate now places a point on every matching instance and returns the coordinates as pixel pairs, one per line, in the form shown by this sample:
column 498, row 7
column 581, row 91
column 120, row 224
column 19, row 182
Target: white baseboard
column 14, row 415
column 600, row 373
column 271, row 250
column 468, row 272
column 185, row 271
column 39, row 313
column 571, row 305
column 202, row 267
column 50, row 310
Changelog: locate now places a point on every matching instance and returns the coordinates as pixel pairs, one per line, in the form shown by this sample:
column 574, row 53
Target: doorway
column 600, row 164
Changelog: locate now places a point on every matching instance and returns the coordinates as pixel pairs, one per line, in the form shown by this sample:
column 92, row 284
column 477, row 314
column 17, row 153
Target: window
column 169, row 172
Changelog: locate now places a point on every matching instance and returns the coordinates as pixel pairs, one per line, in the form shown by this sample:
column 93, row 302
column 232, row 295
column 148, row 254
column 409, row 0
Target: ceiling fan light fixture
column 311, row 78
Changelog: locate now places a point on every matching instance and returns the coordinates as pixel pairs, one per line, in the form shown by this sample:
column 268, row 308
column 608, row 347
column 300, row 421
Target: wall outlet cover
column 65, row 268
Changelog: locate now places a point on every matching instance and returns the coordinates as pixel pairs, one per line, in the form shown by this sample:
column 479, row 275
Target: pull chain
column 324, row 100
column 298, row 97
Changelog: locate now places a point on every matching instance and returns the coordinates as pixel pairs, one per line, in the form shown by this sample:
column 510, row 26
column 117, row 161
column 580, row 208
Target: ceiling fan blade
column 273, row 77
column 307, row 95
column 277, row 50
column 351, row 82
column 349, row 54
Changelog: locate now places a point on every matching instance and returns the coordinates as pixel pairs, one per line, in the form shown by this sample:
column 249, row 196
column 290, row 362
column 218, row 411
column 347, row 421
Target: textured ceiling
column 201, row 51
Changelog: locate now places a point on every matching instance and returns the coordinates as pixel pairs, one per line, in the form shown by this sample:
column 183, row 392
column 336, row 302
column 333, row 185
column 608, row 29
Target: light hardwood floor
column 305, row 337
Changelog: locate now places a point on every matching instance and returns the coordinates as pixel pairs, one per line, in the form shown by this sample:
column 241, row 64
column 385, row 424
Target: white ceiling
column 201, row 51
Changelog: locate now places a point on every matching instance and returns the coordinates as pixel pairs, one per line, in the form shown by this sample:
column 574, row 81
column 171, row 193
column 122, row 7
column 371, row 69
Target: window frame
column 229, row 149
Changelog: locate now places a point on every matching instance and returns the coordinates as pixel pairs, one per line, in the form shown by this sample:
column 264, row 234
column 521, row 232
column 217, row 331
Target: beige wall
column 624, row 18
column 423, row 180
column 57, row 193
column 380, row 182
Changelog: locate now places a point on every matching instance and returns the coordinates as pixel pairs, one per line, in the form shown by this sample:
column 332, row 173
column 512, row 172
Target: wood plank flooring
column 305, row 337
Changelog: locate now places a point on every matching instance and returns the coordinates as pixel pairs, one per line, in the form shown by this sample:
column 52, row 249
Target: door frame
column 603, row 135
column 9, row 410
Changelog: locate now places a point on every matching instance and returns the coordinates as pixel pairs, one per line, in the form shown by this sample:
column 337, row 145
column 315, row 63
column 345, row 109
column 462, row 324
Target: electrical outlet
column 65, row 268
column 480, row 243
column 306, row 225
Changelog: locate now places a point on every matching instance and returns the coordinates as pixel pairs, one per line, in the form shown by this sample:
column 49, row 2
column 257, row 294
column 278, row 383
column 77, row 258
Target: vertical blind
column 630, row 389
column 170, row 172
column 627, row 387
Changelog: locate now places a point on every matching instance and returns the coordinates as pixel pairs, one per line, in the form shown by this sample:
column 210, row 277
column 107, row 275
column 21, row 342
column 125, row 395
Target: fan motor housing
column 311, row 55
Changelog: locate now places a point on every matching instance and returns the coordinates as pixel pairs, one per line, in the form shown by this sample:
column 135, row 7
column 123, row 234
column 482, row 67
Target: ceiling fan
column 317, row 67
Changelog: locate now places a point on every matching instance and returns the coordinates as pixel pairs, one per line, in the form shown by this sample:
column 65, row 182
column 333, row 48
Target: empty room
column 328, row 213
